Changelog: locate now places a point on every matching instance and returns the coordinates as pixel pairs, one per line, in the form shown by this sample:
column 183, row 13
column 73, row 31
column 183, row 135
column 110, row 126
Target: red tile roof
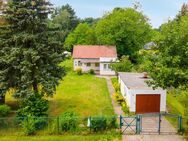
column 94, row 51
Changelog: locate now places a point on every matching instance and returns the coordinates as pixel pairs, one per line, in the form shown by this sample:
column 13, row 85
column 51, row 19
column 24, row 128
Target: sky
column 158, row 11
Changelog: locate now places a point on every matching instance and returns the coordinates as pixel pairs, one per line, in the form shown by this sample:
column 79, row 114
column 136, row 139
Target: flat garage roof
column 135, row 80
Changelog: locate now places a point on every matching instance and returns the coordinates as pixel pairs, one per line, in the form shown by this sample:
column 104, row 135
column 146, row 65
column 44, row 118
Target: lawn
column 176, row 106
column 112, row 137
column 85, row 94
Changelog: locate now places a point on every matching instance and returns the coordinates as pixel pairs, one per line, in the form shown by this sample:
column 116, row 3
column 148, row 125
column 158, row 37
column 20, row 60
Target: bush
column 91, row 71
column 116, row 86
column 68, row 121
column 35, row 105
column 98, row 123
column 111, row 122
column 78, row 71
column 118, row 98
column 4, row 110
column 125, row 108
column 41, row 122
column 124, row 65
column 28, row 125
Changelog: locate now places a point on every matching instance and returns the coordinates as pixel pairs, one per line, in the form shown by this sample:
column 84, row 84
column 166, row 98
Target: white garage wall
column 125, row 92
column 133, row 94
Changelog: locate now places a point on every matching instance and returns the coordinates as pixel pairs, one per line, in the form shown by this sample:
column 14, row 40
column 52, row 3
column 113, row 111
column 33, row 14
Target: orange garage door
column 149, row 103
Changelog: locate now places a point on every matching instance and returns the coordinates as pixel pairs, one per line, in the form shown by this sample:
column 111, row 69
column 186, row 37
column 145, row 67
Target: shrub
column 41, row 122
column 98, row 123
column 78, row 71
column 28, row 125
column 111, row 122
column 68, row 121
column 35, row 105
column 125, row 108
column 4, row 110
column 119, row 98
column 116, row 86
column 124, row 65
column 91, row 71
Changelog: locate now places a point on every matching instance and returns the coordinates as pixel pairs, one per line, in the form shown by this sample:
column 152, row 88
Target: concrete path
column 149, row 122
column 117, row 108
column 152, row 138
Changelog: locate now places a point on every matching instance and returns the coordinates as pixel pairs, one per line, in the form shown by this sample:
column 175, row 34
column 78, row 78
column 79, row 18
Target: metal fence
column 136, row 124
column 58, row 125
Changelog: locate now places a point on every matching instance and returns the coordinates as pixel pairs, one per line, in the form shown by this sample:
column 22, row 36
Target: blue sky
column 158, row 11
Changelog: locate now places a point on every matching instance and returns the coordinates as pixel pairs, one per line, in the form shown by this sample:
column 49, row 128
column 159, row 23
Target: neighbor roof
column 135, row 80
column 94, row 51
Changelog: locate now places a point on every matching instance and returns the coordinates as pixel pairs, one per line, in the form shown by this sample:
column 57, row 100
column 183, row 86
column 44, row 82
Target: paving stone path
column 154, row 137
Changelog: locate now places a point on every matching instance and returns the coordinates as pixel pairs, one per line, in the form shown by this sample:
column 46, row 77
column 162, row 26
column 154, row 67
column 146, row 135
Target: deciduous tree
column 126, row 28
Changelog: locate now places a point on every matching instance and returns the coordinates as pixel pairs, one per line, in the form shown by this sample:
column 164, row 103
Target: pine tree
column 29, row 54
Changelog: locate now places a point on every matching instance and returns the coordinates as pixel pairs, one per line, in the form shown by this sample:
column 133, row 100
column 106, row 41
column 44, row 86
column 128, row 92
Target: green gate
column 151, row 123
column 130, row 124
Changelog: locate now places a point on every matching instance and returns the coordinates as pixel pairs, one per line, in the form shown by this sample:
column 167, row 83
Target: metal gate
column 130, row 124
column 151, row 124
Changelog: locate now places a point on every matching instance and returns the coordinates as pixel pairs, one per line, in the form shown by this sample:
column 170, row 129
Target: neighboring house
column 139, row 96
column 94, row 57
column 149, row 46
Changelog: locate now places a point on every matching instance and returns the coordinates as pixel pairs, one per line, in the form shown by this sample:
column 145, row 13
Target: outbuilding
column 141, row 98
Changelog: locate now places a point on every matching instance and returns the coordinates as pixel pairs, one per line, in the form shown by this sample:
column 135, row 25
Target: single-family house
column 95, row 57
column 139, row 96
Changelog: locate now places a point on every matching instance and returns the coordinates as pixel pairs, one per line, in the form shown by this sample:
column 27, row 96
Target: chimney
column 145, row 75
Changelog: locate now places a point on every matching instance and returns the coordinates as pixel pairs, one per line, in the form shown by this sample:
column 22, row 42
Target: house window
column 96, row 64
column 75, row 63
column 88, row 64
column 105, row 66
column 79, row 63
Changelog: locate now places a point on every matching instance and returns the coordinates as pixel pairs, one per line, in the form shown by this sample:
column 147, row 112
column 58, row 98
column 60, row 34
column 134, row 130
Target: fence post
column 138, row 124
column 58, row 124
column 120, row 122
column 90, row 124
column 159, row 128
column 179, row 123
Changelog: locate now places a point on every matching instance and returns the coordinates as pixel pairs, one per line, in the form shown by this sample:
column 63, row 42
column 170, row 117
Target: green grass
column 64, row 138
column 173, row 105
column 114, row 80
column 84, row 94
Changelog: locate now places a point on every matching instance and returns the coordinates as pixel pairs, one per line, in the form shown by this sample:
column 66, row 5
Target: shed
column 141, row 98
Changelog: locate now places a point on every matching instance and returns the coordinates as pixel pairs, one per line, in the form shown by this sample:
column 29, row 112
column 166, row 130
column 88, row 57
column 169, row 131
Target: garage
column 147, row 103
column 141, row 98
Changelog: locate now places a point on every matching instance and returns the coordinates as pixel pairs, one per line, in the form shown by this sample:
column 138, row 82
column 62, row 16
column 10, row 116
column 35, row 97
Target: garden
column 81, row 105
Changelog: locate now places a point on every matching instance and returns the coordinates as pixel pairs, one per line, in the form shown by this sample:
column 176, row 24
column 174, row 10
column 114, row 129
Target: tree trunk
column 2, row 100
column 35, row 86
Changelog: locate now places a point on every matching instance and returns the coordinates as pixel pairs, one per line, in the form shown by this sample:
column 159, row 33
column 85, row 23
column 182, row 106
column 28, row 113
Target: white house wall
column 108, row 61
column 84, row 67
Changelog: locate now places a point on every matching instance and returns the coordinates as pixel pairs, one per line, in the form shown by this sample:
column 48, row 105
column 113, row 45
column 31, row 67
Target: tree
column 65, row 20
column 126, row 28
column 124, row 65
column 82, row 35
column 169, row 65
column 29, row 55
column 90, row 21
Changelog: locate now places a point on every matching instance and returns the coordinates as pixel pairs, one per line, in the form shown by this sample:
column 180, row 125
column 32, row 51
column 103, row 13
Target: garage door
column 147, row 103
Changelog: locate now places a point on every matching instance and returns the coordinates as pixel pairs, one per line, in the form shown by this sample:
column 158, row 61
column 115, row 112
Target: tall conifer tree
column 29, row 54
